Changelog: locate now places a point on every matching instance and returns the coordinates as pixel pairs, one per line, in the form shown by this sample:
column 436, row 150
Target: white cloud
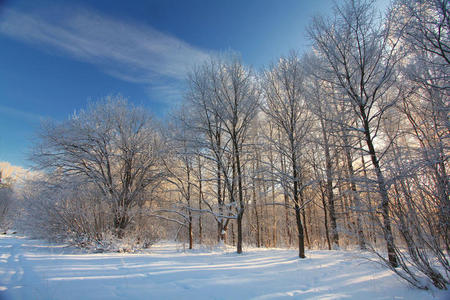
column 128, row 51
column 167, row 92
column 20, row 114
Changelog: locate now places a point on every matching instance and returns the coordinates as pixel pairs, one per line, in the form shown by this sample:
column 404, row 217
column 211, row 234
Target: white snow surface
column 34, row 269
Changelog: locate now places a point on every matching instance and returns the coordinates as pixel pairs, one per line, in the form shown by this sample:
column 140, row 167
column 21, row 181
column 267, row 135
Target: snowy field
column 31, row 269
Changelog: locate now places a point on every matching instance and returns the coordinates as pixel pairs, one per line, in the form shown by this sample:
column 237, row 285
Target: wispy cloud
column 125, row 50
column 20, row 114
column 167, row 92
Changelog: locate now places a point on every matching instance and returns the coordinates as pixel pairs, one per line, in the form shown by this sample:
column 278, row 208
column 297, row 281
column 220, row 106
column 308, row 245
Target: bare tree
column 323, row 111
column 425, row 89
column 237, row 101
column 112, row 145
column 424, row 25
column 285, row 106
column 211, row 140
column 59, row 208
column 361, row 57
column 6, row 198
column 180, row 167
column 226, row 97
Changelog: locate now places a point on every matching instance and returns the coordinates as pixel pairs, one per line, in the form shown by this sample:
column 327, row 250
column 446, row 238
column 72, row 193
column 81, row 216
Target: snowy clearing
column 32, row 269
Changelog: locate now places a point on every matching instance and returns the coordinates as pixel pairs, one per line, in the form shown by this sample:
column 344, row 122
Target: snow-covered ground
column 32, row 269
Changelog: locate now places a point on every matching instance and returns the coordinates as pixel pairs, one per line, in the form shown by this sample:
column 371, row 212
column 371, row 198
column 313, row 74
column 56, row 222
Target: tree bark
column 387, row 230
column 355, row 195
column 301, row 242
column 241, row 199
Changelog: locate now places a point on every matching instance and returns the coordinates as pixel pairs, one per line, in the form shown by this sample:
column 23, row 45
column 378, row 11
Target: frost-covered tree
column 112, row 145
column 285, row 106
column 361, row 57
column 211, row 142
column 225, row 94
column 6, row 199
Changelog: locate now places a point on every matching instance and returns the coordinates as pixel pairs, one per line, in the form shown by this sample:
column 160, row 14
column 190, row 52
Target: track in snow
column 33, row 269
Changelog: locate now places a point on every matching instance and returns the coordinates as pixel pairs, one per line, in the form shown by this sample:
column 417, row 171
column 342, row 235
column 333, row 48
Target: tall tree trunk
column 220, row 221
column 188, row 198
column 355, row 195
column 274, row 216
column 301, row 242
column 387, row 230
column 241, row 199
column 220, row 199
column 303, row 214
column 265, row 216
column 329, row 186
column 369, row 200
column 200, row 200
column 325, row 218
column 286, row 203
column 255, row 207
column 121, row 219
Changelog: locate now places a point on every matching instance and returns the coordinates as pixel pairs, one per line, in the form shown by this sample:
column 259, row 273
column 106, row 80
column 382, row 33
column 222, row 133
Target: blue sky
column 56, row 56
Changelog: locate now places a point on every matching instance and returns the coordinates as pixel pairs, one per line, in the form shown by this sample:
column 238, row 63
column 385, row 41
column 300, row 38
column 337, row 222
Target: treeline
column 346, row 145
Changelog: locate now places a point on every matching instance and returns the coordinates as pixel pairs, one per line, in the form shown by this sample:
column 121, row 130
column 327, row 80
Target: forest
column 342, row 146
